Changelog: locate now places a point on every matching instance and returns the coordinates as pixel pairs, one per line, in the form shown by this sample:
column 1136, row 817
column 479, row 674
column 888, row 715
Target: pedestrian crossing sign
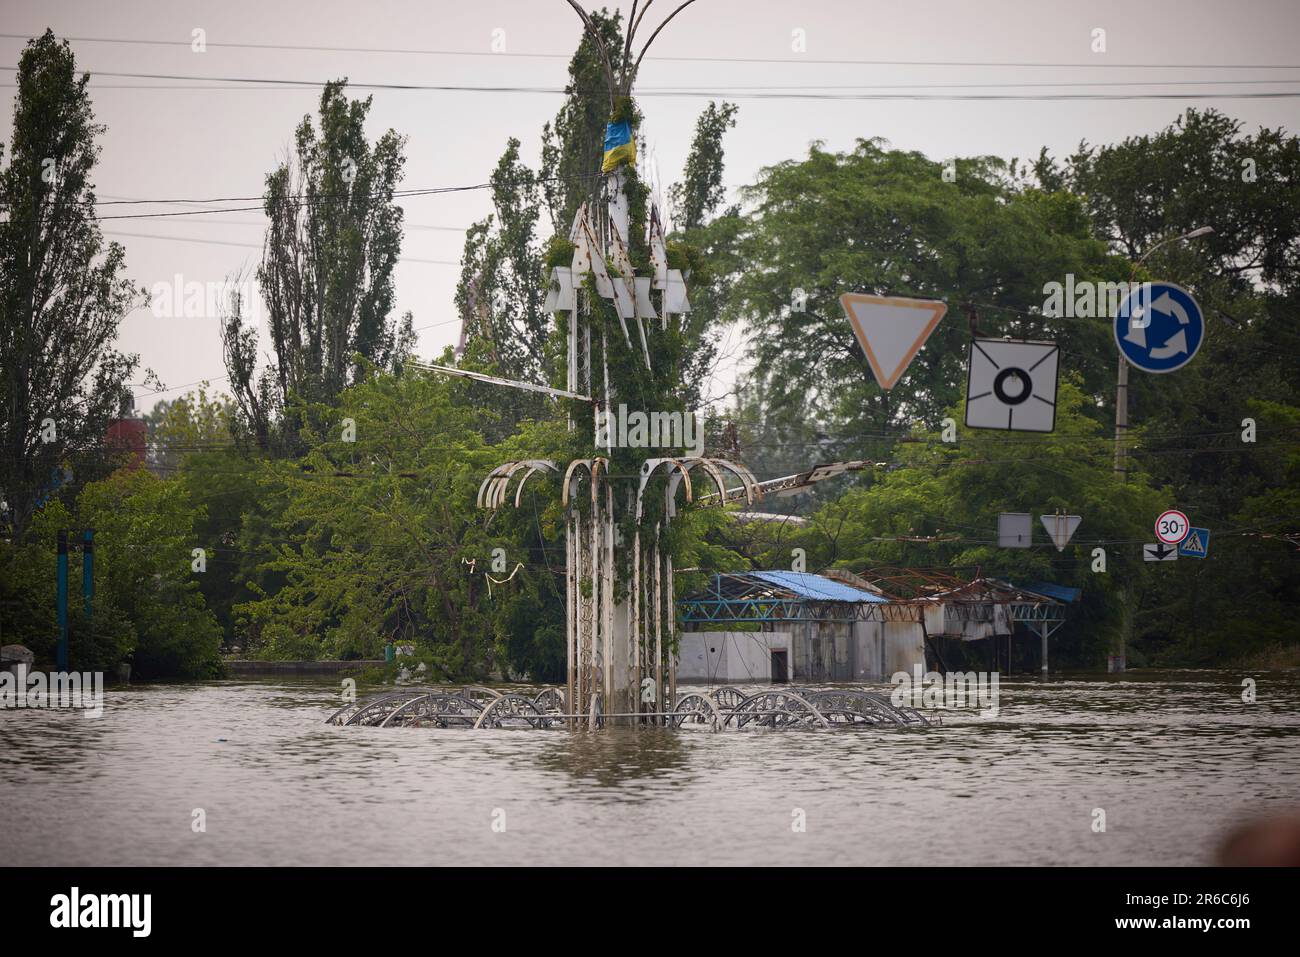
column 1196, row 544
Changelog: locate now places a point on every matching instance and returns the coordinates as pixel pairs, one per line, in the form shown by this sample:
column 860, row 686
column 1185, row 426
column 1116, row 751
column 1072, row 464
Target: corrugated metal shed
column 816, row 587
column 1050, row 590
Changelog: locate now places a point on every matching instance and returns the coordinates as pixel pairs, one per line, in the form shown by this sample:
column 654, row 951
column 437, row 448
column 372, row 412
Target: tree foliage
column 890, row 223
column 327, row 270
column 701, row 192
column 63, row 292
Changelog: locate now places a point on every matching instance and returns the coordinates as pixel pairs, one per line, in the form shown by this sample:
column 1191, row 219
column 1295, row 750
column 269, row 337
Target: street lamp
column 1121, row 380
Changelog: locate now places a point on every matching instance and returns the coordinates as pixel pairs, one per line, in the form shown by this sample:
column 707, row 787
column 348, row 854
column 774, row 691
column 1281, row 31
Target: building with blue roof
column 760, row 626
column 808, row 628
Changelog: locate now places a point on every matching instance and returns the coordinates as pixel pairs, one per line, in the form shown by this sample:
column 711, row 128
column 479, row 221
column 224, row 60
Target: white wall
column 878, row 650
column 729, row 657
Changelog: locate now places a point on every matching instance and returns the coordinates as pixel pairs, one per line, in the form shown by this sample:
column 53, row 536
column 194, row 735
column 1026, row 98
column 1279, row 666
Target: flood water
column 1173, row 758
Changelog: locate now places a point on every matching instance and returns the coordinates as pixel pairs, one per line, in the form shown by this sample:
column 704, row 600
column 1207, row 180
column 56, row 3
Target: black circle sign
column 999, row 386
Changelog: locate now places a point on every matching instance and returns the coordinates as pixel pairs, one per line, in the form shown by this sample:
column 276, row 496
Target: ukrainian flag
column 618, row 146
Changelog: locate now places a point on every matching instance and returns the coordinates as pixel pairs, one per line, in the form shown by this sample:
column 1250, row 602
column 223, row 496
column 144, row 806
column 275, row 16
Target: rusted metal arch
column 748, row 483
column 693, row 462
column 441, row 710
column 648, row 469
column 768, row 707
column 494, row 490
column 593, row 467
column 535, row 465
column 874, row 709
column 684, row 467
column 476, row 692
column 697, row 706
column 905, row 714
column 549, row 699
column 500, row 487
column 753, row 492
column 381, row 706
column 511, row 706
column 487, row 491
column 349, row 709
column 491, row 478
column 569, row 478
column 596, row 464
column 727, row 697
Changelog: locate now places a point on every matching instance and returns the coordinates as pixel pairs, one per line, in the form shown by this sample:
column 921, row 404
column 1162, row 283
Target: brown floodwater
column 1173, row 758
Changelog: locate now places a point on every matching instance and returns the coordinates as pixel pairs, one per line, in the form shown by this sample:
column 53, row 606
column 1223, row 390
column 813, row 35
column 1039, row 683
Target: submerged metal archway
column 718, row 709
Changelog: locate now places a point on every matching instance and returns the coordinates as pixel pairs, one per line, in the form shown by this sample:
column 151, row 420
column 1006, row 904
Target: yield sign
column 1061, row 528
column 891, row 330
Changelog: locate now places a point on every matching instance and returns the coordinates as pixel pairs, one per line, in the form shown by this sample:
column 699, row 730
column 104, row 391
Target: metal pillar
column 61, row 600
column 88, row 568
column 1121, row 415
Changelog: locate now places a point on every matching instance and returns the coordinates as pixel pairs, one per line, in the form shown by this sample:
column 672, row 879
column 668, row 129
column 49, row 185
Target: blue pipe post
column 88, row 567
column 62, row 602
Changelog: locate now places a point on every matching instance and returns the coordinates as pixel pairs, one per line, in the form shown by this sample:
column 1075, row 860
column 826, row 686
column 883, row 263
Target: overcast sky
column 170, row 139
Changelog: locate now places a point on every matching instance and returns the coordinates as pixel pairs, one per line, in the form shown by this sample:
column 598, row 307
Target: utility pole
column 1121, row 435
column 1121, row 378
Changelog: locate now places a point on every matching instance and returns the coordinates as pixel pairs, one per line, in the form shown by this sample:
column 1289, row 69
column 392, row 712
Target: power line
column 1092, row 64
column 308, row 199
column 701, row 93
column 261, row 224
column 725, row 90
column 231, row 242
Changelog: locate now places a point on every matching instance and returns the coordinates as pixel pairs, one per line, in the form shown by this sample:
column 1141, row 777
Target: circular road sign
column 1172, row 526
column 1159, row 327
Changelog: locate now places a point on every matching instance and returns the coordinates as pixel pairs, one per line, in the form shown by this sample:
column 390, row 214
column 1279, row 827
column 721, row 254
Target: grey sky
column 184, row 142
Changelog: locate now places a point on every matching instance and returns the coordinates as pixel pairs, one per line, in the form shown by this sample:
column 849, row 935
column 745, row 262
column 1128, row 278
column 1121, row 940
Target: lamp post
column 1118, row 662
column 1121, row 379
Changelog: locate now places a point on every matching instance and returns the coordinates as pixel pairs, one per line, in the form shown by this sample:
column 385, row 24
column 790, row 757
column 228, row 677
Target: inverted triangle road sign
column 1061, row 528
column 891, row 330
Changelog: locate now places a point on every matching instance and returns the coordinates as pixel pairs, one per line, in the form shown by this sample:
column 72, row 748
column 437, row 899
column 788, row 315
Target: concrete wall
column 842, row 651
column 818, row 652
column 904, row 646
column 729, row 657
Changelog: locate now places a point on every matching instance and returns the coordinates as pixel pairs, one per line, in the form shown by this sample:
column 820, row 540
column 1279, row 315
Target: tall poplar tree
column 63, row 294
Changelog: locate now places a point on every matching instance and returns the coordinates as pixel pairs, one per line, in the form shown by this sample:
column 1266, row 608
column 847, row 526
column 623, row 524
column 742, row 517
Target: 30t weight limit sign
column 1172, row 526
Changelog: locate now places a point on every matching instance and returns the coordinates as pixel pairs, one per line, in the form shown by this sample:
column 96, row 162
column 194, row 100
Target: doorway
column 780, row 667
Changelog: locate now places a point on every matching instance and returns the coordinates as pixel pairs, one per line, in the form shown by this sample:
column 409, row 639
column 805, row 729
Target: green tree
column 190, row 424
column 148, row 607
column 327, row 271
column 144, row 544
column 1205, row 170
column 501, row 292
column 62, row 290
column 379, row 540
column 891, row 223
column 701, row 191
column 572, row 145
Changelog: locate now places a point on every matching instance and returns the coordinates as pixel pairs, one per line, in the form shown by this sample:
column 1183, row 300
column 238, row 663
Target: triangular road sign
column 891, row 330
column 1061, row 528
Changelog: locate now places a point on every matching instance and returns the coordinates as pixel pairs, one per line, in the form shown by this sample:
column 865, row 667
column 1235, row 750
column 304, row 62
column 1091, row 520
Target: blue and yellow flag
column 619, row 146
